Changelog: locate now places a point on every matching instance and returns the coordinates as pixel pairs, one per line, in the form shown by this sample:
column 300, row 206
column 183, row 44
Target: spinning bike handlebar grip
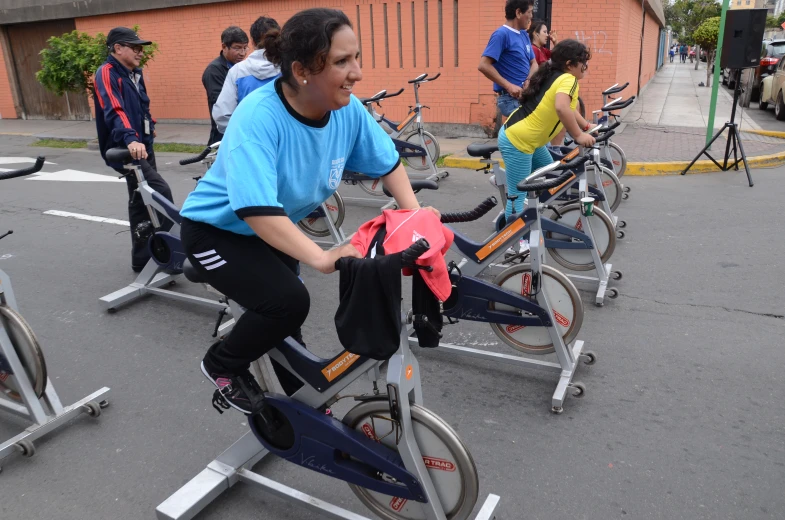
column 611, row 127
column 468, row 216
column 433, row 78
column 546, row 184
column 39, row 163
column 392, row 95
column 196, row 158
column 604, row 137
column 615, row 90
column 410, row 255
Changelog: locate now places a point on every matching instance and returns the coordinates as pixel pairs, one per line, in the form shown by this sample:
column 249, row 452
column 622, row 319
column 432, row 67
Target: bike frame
column 315, row 428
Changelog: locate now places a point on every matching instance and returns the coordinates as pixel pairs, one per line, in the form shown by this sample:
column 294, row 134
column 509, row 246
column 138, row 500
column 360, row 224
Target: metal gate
column 26, row 42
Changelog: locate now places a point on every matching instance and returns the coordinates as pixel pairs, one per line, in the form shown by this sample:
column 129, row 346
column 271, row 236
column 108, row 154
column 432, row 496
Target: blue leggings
column 519, row 165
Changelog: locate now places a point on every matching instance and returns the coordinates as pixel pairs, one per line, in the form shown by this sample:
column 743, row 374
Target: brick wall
column 189, row 38
column 7, row 110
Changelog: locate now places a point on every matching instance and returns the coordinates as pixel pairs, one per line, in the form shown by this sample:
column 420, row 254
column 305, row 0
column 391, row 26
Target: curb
column 645, row 169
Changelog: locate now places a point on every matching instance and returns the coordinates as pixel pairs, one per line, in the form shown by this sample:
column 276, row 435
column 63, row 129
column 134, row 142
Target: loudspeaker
column 743, row 38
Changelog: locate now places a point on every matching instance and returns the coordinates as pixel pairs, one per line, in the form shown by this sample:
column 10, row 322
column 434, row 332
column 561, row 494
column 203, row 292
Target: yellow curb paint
column 641, row 169
column 769, row 133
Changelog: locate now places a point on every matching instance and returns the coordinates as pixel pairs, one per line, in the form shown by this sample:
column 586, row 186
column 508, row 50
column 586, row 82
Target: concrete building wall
column 189, row 38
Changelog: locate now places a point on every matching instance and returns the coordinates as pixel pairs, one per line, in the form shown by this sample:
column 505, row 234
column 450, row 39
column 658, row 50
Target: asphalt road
column 684, row 415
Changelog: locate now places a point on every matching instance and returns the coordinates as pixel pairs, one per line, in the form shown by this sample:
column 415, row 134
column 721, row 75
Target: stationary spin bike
column 25, row 387
column 530, row 306
column 401, row 460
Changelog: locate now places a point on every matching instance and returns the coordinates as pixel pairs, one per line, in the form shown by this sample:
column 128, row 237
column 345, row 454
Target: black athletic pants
column 261, row 279
column 137, row 211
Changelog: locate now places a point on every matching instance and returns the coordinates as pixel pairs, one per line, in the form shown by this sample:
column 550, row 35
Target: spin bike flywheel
column 449, row 463
column 29, row 352
column 316, row 226
column 601, row 228
column 564, row 299
column 612, row 187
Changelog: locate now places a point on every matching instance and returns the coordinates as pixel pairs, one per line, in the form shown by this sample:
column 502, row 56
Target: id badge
column 146, row 127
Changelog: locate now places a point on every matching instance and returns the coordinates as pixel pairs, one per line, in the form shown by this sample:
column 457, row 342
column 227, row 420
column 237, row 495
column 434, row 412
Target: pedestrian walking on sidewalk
column 671, row 53
column 508, row 60
column 122, row 119
column 234, row 46
column 683, row 52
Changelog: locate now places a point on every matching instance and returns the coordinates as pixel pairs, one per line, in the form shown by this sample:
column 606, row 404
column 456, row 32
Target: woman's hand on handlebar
column 585, row 139
column 434, row 211
column 326, row 263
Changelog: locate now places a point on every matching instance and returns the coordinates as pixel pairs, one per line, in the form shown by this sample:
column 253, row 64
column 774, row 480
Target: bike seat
column 121, row 155
column 417, row 186
column 482, row 149
column 191, row 274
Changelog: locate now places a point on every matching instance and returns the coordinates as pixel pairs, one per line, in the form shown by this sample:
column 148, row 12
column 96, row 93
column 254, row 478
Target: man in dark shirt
column 234, row 46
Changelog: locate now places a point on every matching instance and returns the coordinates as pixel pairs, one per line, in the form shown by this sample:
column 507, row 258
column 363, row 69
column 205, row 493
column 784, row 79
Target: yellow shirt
column 536, row 122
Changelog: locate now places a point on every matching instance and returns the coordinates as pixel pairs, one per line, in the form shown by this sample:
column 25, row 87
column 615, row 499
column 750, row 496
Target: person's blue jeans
column 518, row 166
column 506, row 103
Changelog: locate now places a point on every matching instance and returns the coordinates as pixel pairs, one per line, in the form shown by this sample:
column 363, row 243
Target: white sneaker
column 523, row 246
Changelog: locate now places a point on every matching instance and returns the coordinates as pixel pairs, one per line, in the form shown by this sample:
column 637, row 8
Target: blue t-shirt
column 512, row 51
column 273, row 161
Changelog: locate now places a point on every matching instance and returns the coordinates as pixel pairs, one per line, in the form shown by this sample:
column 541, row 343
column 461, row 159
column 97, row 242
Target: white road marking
column 79, row 216
column 20, row 160
column 73, row 176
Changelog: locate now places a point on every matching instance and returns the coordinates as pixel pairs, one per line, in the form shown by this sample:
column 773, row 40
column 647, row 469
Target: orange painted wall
column 7, row 110
column 189, row 38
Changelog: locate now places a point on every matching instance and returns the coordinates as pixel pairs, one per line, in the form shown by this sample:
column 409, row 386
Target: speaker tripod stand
column 734, row 139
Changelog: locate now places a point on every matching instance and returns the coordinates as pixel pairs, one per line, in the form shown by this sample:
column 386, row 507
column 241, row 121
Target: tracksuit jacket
column 121, row 108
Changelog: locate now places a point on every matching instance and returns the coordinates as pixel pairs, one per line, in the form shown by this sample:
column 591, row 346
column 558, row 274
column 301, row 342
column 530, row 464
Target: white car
column 773, row 91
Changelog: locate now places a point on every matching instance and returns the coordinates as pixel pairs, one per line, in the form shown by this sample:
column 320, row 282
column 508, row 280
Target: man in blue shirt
column 508, row 59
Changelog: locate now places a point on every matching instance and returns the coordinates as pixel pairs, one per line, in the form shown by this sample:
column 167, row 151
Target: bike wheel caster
column 620, row 234
column 590, row 356
column 557, row 410
column 172, row 282
column 627, row 189
column 104, row 403
column 625, row 196
column 92, row 409
column 622, row 223
column 616, row 275
column 579, row 389
column 111, row 310
column 26, row 448
column 613, row 294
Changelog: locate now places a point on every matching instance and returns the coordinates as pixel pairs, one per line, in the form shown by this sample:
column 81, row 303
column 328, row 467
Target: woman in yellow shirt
column 548, row 104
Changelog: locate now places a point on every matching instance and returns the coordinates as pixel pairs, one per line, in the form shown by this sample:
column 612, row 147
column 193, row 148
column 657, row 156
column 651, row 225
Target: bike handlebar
column 468, row 216
column 536, row 185
column 615, row 89
column 604, row 137
column 196, row 158
column 410, row 255
column 39, row 163
column 422, row 78
column 615, row 105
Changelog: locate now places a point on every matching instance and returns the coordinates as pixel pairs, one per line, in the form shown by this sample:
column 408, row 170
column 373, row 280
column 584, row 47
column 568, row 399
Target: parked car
column 772, row 91
column 771, row 53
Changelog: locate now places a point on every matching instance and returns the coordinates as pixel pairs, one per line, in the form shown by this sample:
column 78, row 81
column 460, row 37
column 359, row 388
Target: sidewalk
column 666, row 127
column 183, row 133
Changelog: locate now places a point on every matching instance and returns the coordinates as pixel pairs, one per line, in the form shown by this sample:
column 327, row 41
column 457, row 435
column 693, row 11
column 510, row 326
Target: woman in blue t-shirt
column 282, row 155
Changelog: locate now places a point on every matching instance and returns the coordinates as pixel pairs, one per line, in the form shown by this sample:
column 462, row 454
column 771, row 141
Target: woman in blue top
column 282, row 155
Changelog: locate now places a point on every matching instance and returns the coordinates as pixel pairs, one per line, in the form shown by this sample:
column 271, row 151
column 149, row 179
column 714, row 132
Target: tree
column 685, row 16
column 706, row 36
column 69, row 61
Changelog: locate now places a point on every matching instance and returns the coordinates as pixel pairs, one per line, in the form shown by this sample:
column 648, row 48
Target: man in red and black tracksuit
column 123, row 119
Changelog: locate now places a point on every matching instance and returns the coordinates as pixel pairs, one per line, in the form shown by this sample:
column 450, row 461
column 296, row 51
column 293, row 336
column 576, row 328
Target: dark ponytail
column 306, row 38
column 564, row 53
